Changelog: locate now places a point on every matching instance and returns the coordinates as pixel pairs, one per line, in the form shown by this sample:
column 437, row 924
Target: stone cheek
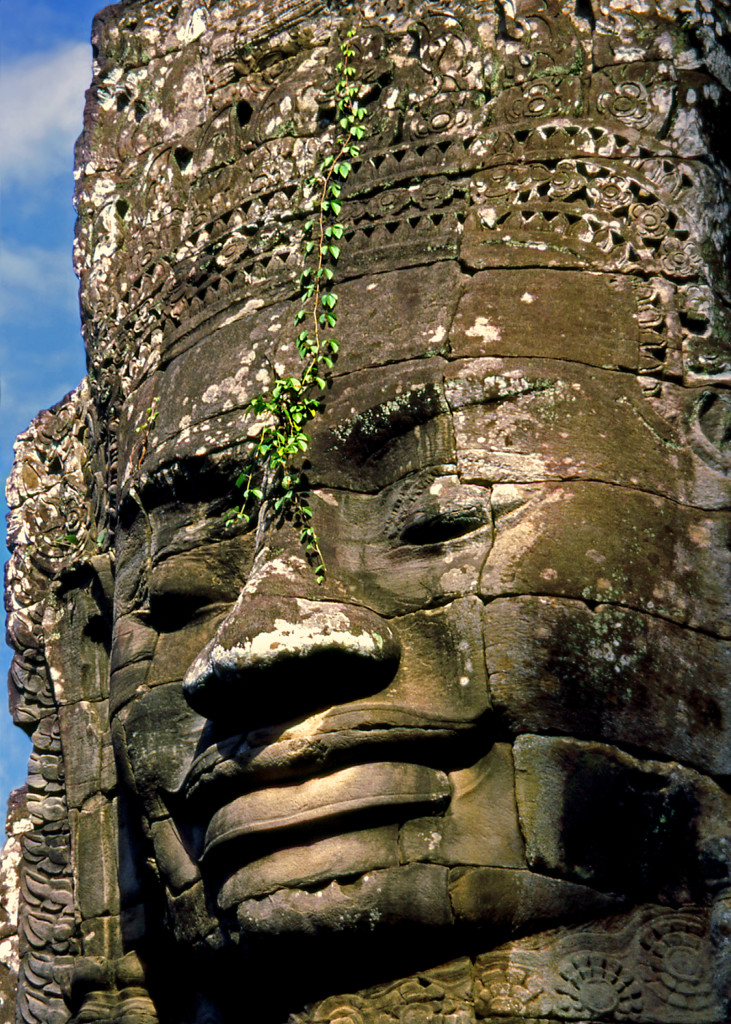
column 639, row 551
column 594, row 814
column 554, row 665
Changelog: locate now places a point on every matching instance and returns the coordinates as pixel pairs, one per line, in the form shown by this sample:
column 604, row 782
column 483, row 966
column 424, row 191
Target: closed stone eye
column 437, row 528
column 170, row 612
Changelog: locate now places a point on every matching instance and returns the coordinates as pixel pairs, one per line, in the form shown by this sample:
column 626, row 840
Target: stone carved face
column 434, row 742
column 507, row 707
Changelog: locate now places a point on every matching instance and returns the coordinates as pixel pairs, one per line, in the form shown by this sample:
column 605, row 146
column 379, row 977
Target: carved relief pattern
column 221, row 203
column 49, row 494
column 47, row 936
column 652, row 964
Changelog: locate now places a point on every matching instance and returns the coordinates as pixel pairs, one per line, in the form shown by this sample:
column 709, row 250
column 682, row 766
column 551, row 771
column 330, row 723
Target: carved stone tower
column 481, row 773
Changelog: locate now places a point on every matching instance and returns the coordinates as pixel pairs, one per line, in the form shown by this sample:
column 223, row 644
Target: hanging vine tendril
column 293, row 401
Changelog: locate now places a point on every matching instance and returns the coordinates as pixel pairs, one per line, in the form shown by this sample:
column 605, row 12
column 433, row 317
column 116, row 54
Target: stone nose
column 274, row 659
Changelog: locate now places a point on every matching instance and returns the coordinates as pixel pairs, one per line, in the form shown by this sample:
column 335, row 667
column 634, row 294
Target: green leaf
column 334, row 251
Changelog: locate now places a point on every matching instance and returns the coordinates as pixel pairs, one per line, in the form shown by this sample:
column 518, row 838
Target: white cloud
column 41, row 352
column 41, row 107
column 35, row 281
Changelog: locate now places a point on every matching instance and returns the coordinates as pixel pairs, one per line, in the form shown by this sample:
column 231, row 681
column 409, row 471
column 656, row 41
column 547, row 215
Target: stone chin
column 398, row 850
column 401, row 897
column 427, row 905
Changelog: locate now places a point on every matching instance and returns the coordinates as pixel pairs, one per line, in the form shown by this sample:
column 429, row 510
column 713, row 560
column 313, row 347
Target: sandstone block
column 480, row 825
column 592, row 814
column 611, row 674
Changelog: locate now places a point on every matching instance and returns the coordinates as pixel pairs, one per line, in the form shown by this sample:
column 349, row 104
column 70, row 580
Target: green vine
column 293, row 401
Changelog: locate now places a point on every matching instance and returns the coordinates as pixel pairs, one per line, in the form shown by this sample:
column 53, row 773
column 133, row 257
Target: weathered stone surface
column 95, row 862
column 557, row 420
column 506, row 708
column 556, row 666
column 480, row 825
column 174, row 860
column 175, row 735
column 602, row 329
column 509, row 900
column 593, row 814
column 85, row 730
column 408, row 313
column 10, row 859
column 102, row 936
column 612, row 545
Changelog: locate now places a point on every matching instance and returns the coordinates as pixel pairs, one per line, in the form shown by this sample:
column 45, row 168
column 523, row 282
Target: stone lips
column 344, row 793
column 346, row 798
column 324, row 741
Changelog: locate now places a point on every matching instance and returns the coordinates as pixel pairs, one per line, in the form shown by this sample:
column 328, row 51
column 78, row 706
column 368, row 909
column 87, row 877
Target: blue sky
column 45, row 66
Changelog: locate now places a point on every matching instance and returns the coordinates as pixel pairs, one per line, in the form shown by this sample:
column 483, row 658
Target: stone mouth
column 352, row 793
column 239, row 764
